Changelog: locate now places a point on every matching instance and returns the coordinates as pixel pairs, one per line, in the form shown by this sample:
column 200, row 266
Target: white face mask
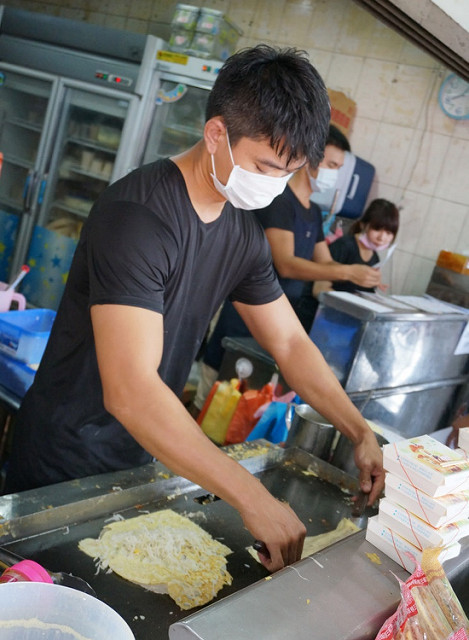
column 326, row 179
column 246, row 189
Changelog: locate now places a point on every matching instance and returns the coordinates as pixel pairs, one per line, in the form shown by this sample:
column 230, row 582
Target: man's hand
column 364, row 276
column 369, row 460
column 276, row 524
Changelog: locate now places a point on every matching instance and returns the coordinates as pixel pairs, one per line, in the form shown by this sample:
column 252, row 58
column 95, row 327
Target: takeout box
column 417, row 531
column 436, row 511
column 427, row 464
column 396, row 547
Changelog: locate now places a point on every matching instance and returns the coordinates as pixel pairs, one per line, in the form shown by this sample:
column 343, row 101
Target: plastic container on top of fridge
column 180, row 40
column 24, row 334
column 185, row 17
column 215, row 36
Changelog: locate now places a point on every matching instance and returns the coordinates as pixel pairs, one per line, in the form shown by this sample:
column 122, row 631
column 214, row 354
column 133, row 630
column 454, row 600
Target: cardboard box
column 343, row 111
column 463, row 439
column 417, row 531
column 435, row 511
column 396, row 547
column 427, row 465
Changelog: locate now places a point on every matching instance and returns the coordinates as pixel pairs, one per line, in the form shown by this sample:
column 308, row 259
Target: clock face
column 454, row 97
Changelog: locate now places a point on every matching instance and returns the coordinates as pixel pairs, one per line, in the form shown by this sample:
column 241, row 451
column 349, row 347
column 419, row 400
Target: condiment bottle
column 25, row 571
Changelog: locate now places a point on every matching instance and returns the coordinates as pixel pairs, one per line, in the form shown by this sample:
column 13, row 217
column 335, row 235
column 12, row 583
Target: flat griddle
column 46, row 524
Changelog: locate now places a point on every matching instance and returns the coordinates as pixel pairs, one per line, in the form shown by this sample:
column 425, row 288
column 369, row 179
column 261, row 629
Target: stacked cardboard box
column 426, row 501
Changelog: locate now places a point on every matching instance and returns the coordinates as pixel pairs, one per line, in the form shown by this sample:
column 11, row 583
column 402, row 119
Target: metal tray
column 47, row 524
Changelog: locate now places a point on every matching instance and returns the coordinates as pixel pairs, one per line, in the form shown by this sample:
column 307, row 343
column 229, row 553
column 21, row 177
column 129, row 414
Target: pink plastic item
column 25, row 571
column 7, row 297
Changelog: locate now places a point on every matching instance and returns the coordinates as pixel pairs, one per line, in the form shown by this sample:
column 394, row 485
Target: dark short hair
column 336, row 138
column 380, row 214
column 275, row 94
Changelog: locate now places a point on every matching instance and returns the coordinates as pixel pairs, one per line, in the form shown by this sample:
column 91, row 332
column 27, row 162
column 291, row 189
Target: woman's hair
column 275, row 94
column 380, row 214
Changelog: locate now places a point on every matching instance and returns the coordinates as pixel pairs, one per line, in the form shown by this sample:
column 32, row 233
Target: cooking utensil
column 8, row 559
column 358, row 516
column 260, row 546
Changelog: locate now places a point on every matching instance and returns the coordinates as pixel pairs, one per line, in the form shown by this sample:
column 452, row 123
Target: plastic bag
column 244, row 417
column 218, row 409
column 272, row 425
column 429, row 608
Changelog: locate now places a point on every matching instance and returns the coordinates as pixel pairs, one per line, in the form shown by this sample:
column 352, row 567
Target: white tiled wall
column 421, row 156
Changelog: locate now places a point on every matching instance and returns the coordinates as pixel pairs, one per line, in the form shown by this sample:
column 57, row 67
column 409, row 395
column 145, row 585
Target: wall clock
column 453, row 97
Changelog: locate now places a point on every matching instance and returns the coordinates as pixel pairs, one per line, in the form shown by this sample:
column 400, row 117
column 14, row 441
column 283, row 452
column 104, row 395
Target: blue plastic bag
column 271, row 425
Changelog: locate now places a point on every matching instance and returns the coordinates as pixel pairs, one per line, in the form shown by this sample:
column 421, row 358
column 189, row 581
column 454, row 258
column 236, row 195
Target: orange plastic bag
column 244, row 419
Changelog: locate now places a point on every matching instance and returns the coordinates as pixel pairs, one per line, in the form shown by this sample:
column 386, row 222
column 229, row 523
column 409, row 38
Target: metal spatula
column 8, row 559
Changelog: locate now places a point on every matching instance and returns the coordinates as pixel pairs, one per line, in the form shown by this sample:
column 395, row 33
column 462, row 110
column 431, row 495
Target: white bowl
column 41, row 611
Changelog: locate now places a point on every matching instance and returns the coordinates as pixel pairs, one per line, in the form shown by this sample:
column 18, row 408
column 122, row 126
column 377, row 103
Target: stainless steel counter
column 394, row 364
column 46, row 525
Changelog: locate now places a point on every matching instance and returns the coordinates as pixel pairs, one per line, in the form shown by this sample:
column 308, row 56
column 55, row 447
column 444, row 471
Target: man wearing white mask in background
column 293, row 226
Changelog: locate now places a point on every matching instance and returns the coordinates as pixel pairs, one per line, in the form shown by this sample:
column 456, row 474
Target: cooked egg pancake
column 164, row 552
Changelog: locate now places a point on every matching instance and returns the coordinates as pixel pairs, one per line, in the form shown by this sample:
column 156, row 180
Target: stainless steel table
column 46, row 525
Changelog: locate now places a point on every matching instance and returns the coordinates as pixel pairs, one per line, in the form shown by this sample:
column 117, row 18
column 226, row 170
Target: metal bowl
column 343, row 455
column 310, row 431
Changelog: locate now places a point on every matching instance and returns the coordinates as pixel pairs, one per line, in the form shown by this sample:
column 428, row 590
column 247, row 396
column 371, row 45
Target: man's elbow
column 284, row 270
column 117, row 402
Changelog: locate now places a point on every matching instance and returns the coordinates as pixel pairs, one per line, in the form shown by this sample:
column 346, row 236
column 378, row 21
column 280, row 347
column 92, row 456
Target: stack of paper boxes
column 426, row 501
column 463, row 440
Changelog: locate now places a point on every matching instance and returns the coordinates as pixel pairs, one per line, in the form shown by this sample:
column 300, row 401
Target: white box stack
column 426, row 501
column 463, row 440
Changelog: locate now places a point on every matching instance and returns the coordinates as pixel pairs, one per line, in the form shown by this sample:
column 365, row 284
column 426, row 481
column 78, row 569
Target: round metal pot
column 342, row 456
column 310, row 431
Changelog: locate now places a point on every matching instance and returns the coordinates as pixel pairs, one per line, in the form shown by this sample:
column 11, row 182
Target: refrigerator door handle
column 28, row 189
column 42, row 188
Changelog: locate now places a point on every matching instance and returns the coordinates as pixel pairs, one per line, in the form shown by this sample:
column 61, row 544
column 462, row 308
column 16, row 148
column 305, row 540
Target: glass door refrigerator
column 177, row 111
column 69, row 123
column 81, row 106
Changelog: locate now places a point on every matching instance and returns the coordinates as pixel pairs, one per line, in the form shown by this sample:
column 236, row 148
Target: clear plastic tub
column 24, row 334
column 215, row 36
column 40, row 611
column 210, row 21
column 185, row 17
column 180, row 40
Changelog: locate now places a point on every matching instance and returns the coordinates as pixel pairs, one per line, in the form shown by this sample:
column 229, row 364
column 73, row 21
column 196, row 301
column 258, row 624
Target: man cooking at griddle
column 160, row 251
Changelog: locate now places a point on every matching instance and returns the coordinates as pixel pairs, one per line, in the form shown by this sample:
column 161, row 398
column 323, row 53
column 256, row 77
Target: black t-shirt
column 143, row 245
column 286, row 212
column 346, row 251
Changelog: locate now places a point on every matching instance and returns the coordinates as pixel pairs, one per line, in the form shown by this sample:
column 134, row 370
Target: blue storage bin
column 24, row 334
column 16, row 376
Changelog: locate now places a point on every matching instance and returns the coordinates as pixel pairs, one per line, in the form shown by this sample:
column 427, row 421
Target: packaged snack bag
column 429, row 608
